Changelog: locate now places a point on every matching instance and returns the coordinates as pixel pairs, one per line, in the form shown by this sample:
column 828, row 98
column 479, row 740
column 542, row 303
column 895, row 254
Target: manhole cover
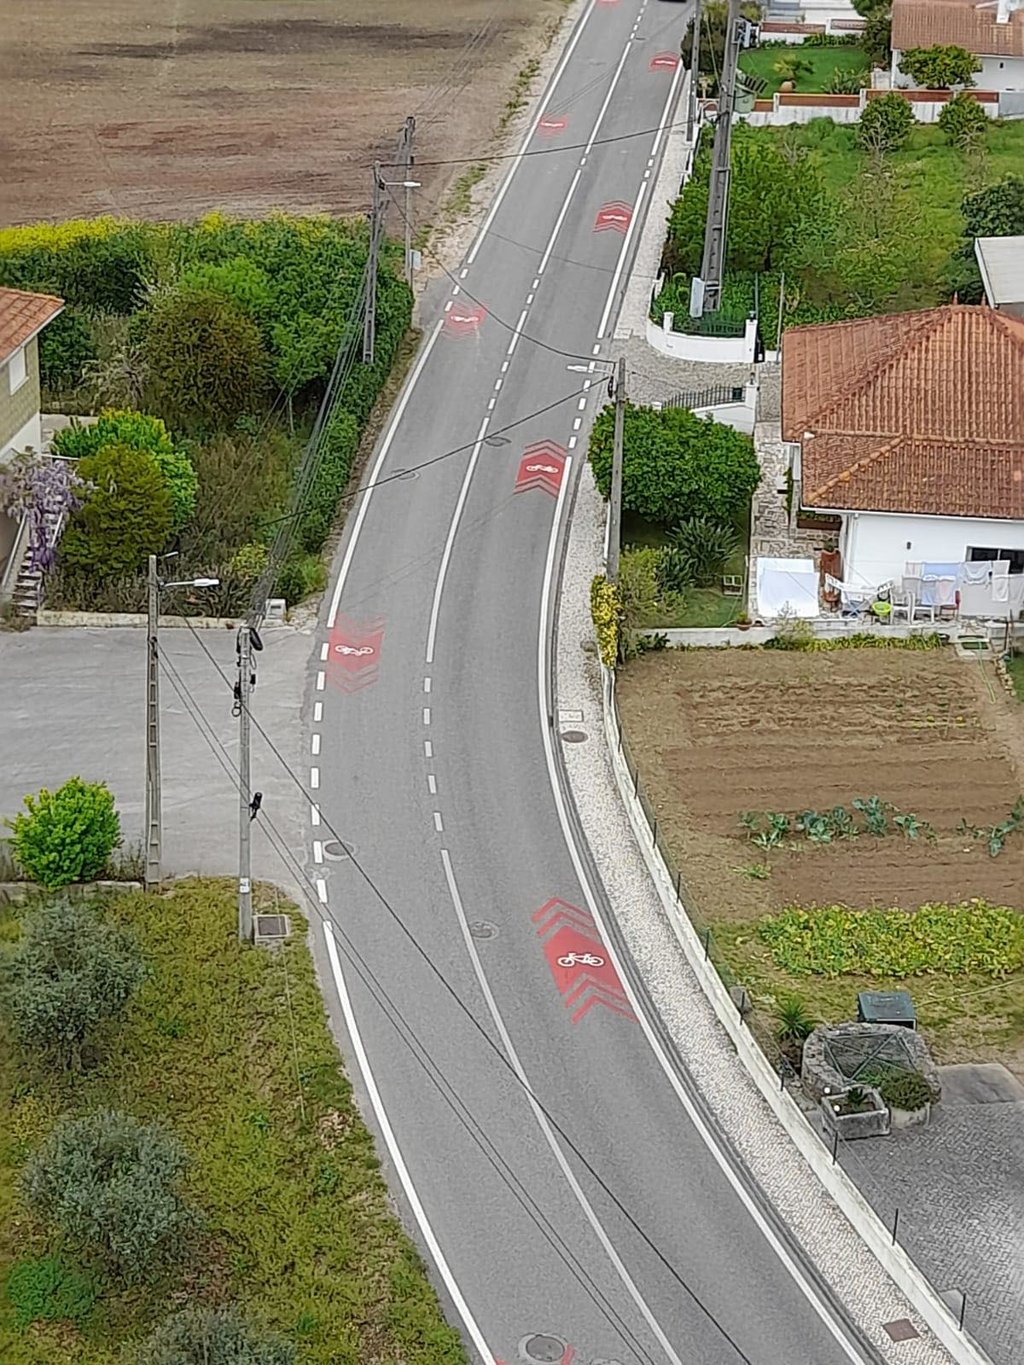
column 574, row 736
column 407, row 473
column 497, row 440
column 338, row 849
column 272, row 926
column 544, row 1349
column 482, row 929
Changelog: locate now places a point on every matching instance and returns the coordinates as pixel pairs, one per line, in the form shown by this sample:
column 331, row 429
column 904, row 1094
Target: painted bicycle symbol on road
column 581, row 960
column 351, row 649
column 543, row 468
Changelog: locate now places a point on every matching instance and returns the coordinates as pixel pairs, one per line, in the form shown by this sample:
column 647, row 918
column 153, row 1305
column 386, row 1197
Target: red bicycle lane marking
column 353, row 653
column 579, row 962
column 542, row 466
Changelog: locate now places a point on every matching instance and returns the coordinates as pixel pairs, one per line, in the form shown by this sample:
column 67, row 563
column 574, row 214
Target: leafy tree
column 69, row 974
column 963, row 121
column 339, row 442
column 885, row 124
column 210, row 1336
column 775, row 191
column 137, row 431
column 939, row 67
column 996, row 211
column 125, row 516
column 206, row 360
column 876, row 37
column 67, row 835
column 66, row 346
column 112, row 1186
column 676, row 464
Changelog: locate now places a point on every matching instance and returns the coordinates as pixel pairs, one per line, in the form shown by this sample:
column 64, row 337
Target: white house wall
column 30, row 436
column 1001, row 73
column 876, row 546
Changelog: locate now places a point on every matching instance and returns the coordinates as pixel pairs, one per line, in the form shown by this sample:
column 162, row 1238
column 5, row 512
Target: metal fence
column 706, row 398
column 954, row 1277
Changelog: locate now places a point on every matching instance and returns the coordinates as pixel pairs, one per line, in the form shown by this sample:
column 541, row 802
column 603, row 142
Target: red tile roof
column 958, row 23
column 914, row 412
column 22, row 315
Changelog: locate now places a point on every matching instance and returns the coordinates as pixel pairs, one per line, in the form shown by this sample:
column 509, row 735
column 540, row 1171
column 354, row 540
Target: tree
column 111, row 1185
column 68, row 835
column 676, row 464
column 885, row 124
column 939, row 67
column 996, row 211
column 206, row 360
column 964, row 122
column 125, row 516
column 876, row 36
column 211, row 1336
column 68, row 975
column 137, row 431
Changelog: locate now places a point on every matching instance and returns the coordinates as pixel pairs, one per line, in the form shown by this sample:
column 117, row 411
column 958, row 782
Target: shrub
column 125, row 516
column 795, row 1023
column 206, row 360
column 604, row 610
column 65, row 346
column 248, row 562
column 939, row 67
column 885, row 123
column 300, row 576
column 963, row 121
column 640, row 597
column 48, row 1290
column 67, row 835
column 902, row 1089
column 210, row 1336
column 68, row 975
column 136, row 431
column 845, row 81
column 339, row 443
column 697, row 553
column 96, row 264
column 110, row 1184
column 676, row 464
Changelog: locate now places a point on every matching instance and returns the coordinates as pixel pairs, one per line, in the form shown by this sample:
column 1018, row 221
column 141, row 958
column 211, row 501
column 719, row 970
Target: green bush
column 136, row 431
column 676, row 464
column 98, row 265
column 69, row 975
column 949, row 939
column 66, row 346
column 339, row 443
column 963, row 121
column 111, row 1185
column 885, row 123
column 67, row 835
column 206, row 360
column 697, row 553
column 300, row 576
column 605, row 612
column 124, row 517
column 210, row 1336
column 49, row 1290
column 845, row 81
column 902, row 1089
column 939, row 67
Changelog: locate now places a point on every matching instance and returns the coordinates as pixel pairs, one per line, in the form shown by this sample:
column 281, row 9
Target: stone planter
column 873, row 1122
column 909, row 1118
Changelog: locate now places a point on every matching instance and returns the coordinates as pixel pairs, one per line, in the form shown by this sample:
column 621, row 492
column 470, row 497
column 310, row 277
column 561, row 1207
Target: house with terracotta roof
column 910, row 429
column 992, row 29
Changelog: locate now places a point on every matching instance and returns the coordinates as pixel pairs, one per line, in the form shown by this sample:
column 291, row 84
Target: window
column 17, row 370
column 977, row 553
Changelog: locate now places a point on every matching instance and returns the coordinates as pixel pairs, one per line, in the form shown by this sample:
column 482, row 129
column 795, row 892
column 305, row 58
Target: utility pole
column 407, row 159
column 376, row 224
column 615, row 519
column 243, row 691
column 713, row 263
column 153, row 821
column 691, row 111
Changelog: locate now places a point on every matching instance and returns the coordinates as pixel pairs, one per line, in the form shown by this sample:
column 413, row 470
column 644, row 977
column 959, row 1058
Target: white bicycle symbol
column 581, row 960
column 542, row 468
column 351, row 649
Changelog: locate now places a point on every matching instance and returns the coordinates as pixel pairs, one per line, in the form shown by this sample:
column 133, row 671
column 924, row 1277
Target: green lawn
column 823, row 61
column 231, row 1048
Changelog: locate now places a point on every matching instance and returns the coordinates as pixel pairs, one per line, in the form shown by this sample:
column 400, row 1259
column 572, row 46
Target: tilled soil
column 170, row 110
column 719, row 732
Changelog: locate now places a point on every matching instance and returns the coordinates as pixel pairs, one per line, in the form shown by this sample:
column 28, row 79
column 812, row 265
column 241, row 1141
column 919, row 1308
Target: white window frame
column 17, row 370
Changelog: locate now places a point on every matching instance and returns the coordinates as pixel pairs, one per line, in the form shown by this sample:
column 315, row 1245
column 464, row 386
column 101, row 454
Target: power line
column 549, row 151
column 478, row 1027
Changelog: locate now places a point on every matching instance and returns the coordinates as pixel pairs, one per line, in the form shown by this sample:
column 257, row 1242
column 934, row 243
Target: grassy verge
column 231, row 1048
column 822, row 61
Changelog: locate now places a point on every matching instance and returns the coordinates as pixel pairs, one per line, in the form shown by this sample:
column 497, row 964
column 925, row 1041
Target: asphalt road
column 548, row 1150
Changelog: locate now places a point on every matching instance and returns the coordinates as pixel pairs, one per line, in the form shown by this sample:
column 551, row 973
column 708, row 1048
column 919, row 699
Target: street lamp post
column 153, row 824
column 376, row 233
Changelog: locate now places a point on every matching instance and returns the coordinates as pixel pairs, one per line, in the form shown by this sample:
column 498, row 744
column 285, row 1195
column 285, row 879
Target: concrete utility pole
column 713, row 263
column 615, row 518
column 376, row 232
column 243, row 691
column 691, row 109
column 407, row 159
column 153, row 820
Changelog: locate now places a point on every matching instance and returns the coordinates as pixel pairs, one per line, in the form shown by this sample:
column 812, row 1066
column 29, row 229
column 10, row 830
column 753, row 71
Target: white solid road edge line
column 738, row 1186
column 543, row 1123
column 395, row 1152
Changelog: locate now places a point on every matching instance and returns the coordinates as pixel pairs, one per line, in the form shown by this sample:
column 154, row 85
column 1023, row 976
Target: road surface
column 573, row 1196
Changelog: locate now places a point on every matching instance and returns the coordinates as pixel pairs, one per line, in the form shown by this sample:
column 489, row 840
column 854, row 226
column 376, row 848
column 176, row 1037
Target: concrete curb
column 892, row 1258
column 112, row 620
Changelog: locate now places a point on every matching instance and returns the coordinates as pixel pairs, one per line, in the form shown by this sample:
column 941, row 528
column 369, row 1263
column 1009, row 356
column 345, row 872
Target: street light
column 406, row 185
column 153, row 830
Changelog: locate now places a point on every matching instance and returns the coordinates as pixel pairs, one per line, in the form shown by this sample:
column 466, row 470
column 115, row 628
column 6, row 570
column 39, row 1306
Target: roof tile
column 22, row 315
column 960, row 23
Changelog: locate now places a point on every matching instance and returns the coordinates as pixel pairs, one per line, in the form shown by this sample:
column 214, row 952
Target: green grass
column 1015, row 668
column 822, row 61
column 701, row 607
column 231, row 1048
